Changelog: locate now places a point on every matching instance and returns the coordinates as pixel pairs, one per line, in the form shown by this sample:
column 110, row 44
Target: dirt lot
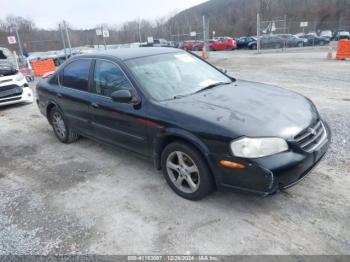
column 88, row 198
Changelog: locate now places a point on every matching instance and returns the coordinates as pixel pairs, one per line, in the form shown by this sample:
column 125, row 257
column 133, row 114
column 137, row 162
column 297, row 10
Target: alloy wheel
column 59, row 125
column 183, row 172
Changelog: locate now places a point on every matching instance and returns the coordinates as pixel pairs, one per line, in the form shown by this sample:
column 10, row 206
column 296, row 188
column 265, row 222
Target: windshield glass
column 169, row 76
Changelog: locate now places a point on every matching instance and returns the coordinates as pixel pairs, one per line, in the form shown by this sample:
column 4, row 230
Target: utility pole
column 63, row 41
column 68, row 39
column 205, row 33
column 18, row 40
column 285, row 24
column 103, row 38
column 140, row 39
column 258, row 32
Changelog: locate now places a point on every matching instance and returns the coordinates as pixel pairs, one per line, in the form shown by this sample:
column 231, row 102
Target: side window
column 109, row 78
column 76, row 75
column 54, row 79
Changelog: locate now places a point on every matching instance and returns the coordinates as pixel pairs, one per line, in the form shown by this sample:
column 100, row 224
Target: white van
column 14, row 87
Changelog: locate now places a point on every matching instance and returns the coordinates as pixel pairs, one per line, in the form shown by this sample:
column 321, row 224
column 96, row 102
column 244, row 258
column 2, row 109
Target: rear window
column 2, row 55
column 76, row 75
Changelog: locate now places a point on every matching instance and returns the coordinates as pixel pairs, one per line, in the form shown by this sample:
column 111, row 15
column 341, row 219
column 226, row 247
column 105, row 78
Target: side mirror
column 122, row 96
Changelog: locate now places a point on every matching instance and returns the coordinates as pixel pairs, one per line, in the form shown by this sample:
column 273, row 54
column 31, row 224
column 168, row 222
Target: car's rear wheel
column 253, row 47
column 186, row 171
column 61, row 128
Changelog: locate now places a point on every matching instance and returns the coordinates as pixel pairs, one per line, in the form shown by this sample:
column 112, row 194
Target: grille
column 5, row 81
column 10, row 100
column 9, row 91
column 311, row 138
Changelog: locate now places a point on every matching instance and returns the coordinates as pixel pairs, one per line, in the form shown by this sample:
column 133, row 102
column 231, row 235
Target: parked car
column 160, row 43
column 14, row 87
column 341, row 34
column 222, row 43
column 327, row 34
column 243, row 42
column 315, row 40
column 192, row 45
column 267, row 41
column 203, row 128
column 290, row 40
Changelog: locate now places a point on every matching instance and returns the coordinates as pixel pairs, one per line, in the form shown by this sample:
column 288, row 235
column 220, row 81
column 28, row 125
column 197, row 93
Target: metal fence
column 281, row 34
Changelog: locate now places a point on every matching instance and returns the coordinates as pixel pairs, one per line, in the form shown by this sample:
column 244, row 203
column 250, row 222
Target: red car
column 222, row 43
column 192, row 45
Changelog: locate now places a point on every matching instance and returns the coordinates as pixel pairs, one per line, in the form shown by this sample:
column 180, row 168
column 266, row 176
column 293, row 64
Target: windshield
column 174, row 75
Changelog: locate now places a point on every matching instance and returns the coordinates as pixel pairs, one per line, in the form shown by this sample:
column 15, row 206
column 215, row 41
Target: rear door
column 117, row 123
column 73, row 96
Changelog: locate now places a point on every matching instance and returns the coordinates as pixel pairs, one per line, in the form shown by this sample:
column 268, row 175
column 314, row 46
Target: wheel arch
column 171, row 135
column 50, row 105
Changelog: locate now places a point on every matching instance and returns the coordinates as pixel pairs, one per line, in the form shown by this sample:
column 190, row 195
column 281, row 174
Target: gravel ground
column 86, row 198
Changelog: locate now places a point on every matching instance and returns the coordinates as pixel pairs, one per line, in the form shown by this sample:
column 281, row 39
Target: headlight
column 19, row 77
column 258, row 147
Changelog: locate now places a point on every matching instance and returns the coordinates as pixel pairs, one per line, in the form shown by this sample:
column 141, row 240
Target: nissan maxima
column 203, row 128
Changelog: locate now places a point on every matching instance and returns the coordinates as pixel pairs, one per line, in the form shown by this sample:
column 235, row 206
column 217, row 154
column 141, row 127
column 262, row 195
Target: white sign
column 105, row 33
column 150, row 40
column 98, row 32
column 193, row 34
column 304, row 24
column 273, row 27
column 11, row 40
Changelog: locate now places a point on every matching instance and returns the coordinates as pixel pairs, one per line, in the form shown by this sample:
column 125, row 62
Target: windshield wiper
column 213, row 85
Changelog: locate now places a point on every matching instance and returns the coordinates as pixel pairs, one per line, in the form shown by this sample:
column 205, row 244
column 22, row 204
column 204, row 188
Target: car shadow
column 12, row 106
column 145, row 167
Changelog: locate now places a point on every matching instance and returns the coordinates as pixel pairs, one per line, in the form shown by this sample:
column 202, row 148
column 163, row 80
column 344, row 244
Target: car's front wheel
column 186, row 171
column 61, row 128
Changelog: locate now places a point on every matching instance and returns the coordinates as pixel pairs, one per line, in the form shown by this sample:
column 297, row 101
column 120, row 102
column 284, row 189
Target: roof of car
column 131, row 53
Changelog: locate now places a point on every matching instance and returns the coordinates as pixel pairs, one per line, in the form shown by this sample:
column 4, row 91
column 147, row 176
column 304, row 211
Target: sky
column 87, row 14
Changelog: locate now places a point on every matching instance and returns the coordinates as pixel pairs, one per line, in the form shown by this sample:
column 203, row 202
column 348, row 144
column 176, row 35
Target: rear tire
column 60, row 127
column 186, row 171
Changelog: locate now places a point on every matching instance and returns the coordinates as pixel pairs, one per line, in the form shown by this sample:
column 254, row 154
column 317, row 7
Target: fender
column 48, row 103
column 168, row 134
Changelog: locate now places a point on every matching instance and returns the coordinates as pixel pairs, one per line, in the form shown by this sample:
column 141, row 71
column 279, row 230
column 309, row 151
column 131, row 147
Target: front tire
column 186, row 171
column 253, row 47
column 60, row 127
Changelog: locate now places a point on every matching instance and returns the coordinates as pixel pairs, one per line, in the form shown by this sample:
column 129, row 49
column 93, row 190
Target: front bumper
column 271, row 174
column 25, row 97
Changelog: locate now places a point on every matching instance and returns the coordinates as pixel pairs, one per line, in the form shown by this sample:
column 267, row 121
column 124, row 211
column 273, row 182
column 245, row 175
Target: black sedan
column 312, row 40
column 243, row 42
column 203, row 128
column 266, row 42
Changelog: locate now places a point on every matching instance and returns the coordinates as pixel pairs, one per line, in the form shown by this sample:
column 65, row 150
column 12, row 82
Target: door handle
column 59, row 95
column 94, row 105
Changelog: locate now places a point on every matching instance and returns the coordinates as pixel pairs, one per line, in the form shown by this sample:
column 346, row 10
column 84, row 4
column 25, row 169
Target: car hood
column 246, row 109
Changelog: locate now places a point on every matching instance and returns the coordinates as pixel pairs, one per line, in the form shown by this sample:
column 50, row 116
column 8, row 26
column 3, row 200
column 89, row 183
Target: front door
column 117, row 123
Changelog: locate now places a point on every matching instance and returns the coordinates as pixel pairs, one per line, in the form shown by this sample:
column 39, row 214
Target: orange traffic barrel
column 343, row 51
